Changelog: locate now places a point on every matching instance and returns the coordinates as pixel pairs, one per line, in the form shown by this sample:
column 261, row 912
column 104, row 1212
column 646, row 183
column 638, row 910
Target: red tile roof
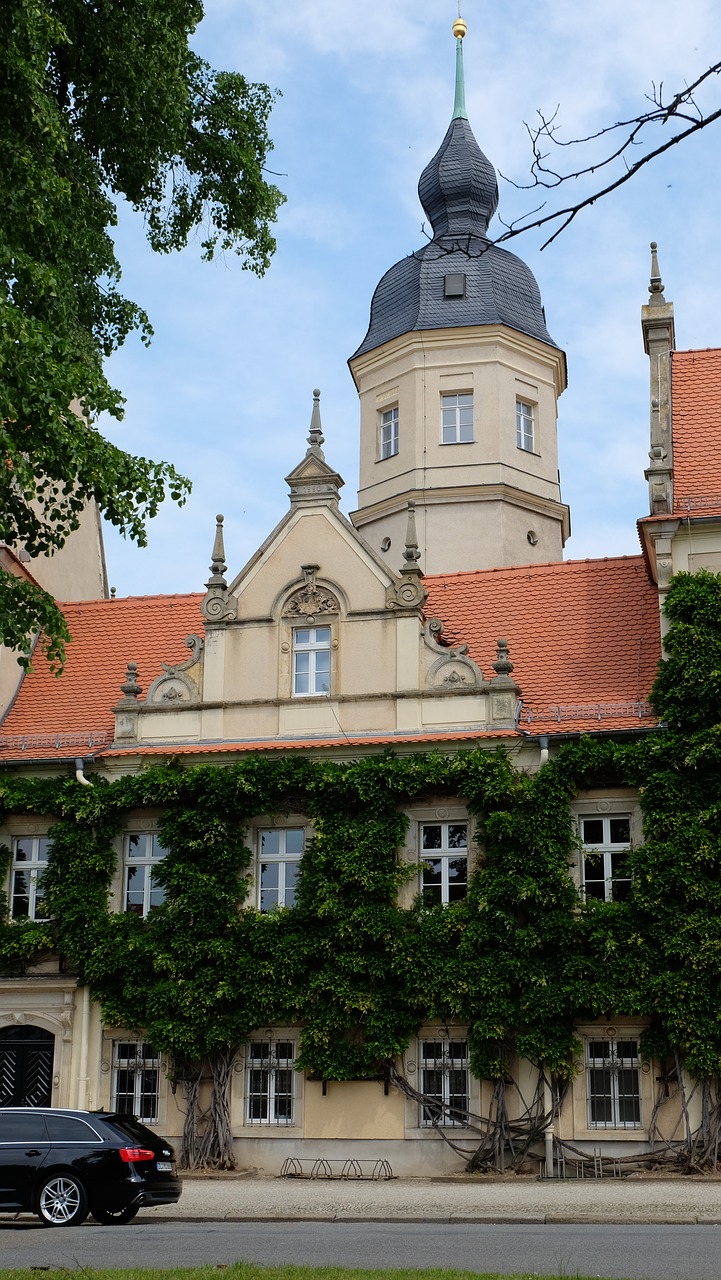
column 583, row 636
column 696, row 431
column 58, row 717
column 352, row 740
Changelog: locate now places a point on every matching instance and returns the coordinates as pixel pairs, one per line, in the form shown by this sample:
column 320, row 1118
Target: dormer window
column 457, row 418
column 311, row 661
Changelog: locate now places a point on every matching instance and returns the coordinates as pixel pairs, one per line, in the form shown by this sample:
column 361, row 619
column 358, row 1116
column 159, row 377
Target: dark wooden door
column 26, row 1066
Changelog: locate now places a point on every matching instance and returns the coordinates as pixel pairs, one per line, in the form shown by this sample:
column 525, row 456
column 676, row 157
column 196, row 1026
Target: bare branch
column 682, row 111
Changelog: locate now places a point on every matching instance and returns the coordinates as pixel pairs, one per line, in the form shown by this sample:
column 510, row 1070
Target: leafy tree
column 100, row 101
column 687, row 691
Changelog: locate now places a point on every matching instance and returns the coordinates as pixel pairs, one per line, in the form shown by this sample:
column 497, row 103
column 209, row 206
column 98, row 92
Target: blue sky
column 225, row 390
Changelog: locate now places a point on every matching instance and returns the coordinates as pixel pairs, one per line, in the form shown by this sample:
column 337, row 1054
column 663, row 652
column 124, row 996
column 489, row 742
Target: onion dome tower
column 459, row 380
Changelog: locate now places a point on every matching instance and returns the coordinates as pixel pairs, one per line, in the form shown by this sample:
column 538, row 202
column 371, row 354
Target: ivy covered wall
column 520, row 961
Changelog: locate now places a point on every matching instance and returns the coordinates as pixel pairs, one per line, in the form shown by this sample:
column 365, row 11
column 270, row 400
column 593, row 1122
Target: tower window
column 389, row 432
column 525, row 433
column 311, row 660
column 457, row 418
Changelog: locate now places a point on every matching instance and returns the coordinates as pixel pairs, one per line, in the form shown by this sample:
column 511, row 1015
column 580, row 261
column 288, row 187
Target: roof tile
column 696, row 431
column 583, row 635
column 106, row 635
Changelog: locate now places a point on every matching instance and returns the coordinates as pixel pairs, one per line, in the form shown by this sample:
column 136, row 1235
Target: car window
column 132, row 1128
column 70, row 1129
column 22, row 1127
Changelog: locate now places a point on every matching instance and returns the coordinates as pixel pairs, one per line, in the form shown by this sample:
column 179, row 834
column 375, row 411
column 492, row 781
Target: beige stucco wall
column 352, row 1109
column 498, row 366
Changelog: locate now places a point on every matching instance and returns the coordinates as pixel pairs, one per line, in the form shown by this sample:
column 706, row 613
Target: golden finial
column 459, row 28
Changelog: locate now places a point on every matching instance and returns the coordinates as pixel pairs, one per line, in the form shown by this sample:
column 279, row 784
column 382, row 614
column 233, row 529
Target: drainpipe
column 79, row 766
column 543, row 744
column 84, row 1054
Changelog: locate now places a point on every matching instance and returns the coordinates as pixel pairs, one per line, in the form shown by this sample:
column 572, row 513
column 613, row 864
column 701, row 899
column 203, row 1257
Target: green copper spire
column 459, row 106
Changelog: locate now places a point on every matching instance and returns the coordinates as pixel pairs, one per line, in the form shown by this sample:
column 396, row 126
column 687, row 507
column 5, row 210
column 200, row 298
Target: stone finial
column 505, row 693
column 315, row 435
column 503, row 665
column 411, row 553
column 409, row 592
column 217, row 606
column 130, row 687
column 218, row 565
column 655, row 287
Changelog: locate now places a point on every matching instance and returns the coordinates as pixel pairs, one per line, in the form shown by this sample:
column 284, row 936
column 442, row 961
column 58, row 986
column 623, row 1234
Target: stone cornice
column 426, row 340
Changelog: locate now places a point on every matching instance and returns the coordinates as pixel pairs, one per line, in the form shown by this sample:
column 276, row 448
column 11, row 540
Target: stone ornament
column 453, row 669
column 311, row 601
column 174, row 686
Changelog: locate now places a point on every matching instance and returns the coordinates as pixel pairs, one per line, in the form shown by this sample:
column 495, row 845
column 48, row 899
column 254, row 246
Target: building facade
column 438, row 623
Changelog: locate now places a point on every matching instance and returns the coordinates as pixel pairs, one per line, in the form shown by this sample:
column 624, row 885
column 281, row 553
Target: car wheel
column 106, row 1217
column 62, row 1201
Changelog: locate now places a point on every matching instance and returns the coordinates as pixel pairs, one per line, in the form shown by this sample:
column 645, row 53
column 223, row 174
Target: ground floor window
column 270, row 1079
column 444, row 1081
column 136, row 1080
column 613, row 1084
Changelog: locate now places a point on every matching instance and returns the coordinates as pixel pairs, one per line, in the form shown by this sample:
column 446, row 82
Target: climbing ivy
column 520, row 961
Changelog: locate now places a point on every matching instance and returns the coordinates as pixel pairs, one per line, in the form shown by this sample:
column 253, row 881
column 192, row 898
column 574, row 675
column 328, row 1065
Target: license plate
column 164, row 1166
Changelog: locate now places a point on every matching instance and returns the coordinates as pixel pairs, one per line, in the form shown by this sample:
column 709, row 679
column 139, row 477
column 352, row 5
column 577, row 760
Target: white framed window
column 444, row 861
column 444, row 1081
column 136, row 1080
column 280, row 850
column 457, row 418
column 525, row 426
column 269, row 1082
column 311, row 660
column 30, row 860
column 143, row 852
column 389, row 432
column 613, row 1084
column 606, row 844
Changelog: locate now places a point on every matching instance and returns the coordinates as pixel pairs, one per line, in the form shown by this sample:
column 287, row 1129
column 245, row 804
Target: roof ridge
column 519, row 568
column 115, row 600
column 693, row 351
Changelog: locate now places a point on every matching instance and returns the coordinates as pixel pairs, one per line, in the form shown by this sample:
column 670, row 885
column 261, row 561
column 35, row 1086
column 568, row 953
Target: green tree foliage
column 100, row 102
column 687, row 692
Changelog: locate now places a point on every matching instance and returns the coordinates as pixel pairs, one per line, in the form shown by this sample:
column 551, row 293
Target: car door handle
column 34, row 1152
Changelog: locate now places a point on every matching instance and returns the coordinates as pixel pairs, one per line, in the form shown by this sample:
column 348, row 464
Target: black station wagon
column 63, row 1165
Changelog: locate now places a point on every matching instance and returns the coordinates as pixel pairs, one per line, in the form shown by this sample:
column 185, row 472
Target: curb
column 489, row 1219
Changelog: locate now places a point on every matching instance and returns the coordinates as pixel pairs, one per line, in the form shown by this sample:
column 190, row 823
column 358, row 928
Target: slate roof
column 459, row 193
column 55, row 717
column 696, row 431
column 583, row 637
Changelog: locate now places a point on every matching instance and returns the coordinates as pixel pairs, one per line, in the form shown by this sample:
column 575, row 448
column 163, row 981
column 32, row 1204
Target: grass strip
column 255, row 1271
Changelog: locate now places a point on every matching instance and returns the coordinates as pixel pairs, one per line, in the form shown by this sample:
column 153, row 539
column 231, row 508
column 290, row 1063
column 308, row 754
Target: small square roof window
column 454, row 286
